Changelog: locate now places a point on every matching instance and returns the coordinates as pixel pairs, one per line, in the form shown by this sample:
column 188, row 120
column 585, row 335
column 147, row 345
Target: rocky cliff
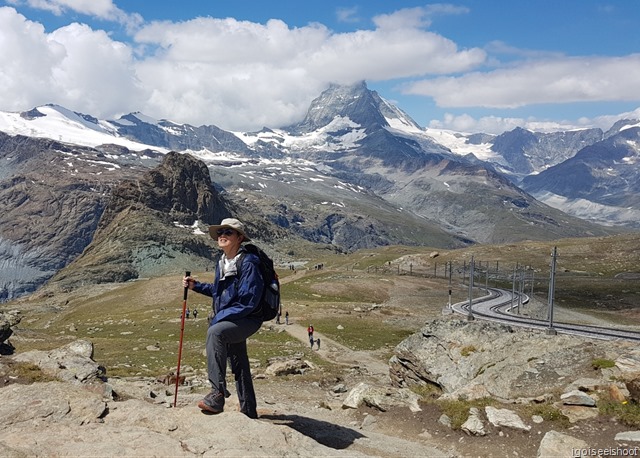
column 151, row 226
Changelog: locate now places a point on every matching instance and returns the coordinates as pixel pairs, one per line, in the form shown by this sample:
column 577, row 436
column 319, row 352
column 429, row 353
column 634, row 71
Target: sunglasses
column 225, row 232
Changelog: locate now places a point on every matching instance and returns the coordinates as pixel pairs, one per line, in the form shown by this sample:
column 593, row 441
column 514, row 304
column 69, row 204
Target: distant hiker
column 286, row 317
column 318, row 342
column 310, row 331
column 311, row 341
column 195, row 313
column 236, row 292
column 188, row 313
column 278, row 317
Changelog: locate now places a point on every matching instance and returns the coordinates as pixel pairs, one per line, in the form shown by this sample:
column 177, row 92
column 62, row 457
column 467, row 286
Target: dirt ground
column 315, row 408
column 419, row 427
column 406, row 295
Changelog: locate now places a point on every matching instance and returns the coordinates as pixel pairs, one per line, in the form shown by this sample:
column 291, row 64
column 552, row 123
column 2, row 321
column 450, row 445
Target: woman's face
column 229, row 240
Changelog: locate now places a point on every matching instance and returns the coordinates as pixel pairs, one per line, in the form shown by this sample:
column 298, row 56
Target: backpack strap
column 240, row 261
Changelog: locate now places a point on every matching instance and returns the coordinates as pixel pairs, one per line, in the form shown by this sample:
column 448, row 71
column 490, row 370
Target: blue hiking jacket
column 236, row 296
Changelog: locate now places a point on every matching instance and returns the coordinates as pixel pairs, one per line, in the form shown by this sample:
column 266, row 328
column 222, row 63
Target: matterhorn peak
column 354, row 102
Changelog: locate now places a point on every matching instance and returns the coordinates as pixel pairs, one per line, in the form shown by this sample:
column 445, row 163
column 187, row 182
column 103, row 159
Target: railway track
column 498, row 306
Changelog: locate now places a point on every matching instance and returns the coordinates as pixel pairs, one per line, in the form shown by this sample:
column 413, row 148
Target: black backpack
column 270, row 300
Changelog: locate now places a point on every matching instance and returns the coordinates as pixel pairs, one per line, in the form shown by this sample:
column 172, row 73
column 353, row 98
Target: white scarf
column 228, row 266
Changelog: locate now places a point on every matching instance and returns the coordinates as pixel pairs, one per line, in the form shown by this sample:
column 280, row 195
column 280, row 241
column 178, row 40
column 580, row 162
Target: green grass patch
column 598, row 294
column 627, row 413
column 458, row 410
column 601, row 363
column 362, row 333
column 268, row 343
column 548, row 412
column 30, row 373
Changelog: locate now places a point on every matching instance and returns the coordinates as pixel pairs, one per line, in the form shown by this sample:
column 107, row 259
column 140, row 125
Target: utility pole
column 513, row 285
column 552, row 287
column 486, row 279
column 520, row 288
column 533, row 273
column 450, row 262
column 470, row 316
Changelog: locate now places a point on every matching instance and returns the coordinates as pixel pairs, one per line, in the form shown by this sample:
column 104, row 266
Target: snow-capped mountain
column 57, row 123
column 343, row 123
column 356, row 172
column 600, row 182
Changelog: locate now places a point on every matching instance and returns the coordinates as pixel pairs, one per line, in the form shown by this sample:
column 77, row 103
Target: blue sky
column 468, row 65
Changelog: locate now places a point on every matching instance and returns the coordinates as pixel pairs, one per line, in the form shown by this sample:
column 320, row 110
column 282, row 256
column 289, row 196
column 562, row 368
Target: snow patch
column 459, row 144
column 195, row 227
column 586, row 209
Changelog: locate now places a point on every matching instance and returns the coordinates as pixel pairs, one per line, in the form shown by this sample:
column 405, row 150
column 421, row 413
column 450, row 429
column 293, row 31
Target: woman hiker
column 236, row 292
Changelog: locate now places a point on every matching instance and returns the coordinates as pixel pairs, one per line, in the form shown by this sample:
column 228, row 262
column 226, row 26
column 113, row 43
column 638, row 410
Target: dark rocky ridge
column 147, row 227
column 52, row 196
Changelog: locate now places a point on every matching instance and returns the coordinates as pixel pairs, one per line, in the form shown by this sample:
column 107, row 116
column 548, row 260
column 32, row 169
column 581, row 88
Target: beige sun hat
column 230, row 223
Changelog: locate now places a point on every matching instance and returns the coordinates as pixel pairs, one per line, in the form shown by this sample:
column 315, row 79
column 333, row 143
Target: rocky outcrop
column 476, row 359
column 71, row 363
column 83, row 413
column 151, row 225
column 7, row 321
column 179, row 188
column 93, row 416
column 69, row 420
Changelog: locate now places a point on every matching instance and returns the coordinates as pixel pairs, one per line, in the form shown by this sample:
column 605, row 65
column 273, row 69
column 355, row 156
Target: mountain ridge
column 355, row 173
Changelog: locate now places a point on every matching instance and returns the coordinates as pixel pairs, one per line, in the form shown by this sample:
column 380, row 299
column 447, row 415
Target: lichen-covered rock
column 71, row 363
column 471, row 359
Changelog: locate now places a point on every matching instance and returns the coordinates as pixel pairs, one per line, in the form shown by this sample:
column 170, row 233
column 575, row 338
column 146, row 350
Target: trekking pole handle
column 186, row 288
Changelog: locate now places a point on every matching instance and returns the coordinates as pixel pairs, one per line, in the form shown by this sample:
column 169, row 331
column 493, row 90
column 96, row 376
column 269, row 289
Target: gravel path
column 332, row 351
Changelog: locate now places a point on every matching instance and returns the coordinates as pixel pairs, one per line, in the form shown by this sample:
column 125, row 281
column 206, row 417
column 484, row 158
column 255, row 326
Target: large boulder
column 7, row 321
column 559, row 445
column 381, row 398
column 474, row 359
column 71, row 363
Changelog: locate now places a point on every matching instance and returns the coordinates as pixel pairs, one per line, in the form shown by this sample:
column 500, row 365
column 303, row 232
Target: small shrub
column 30, row 373
column 549, row 413
column 458, row 411
column 467, row 350
column 601, row 363
column 627, row 413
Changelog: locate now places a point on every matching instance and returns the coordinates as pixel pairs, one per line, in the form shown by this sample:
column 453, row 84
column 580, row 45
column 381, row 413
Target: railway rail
column 498, row 305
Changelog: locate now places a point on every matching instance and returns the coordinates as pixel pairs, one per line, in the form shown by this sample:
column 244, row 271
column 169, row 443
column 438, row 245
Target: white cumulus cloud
column 577, row 79
column 73, row 66
column 242, row 75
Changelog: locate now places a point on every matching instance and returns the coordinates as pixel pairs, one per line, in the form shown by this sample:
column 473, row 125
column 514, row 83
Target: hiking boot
column 212, row 402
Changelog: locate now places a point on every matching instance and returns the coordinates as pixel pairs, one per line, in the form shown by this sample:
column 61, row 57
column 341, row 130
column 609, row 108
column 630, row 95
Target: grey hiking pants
column 228, row 339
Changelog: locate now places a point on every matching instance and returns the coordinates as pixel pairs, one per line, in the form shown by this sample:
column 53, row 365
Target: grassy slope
column 341, row 301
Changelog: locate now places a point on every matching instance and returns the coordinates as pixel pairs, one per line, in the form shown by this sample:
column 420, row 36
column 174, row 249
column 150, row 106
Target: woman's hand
column 188, row 282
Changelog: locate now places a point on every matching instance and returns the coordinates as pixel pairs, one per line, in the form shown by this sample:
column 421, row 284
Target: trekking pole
column 184, row 311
